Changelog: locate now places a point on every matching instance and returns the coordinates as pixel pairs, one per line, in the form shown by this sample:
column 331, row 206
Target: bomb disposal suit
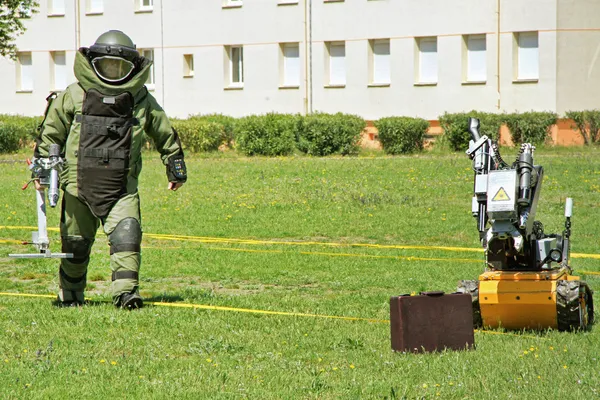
column 100, row 122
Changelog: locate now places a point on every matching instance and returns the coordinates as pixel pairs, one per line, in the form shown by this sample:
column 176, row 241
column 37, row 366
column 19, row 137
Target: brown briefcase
column 431, row 321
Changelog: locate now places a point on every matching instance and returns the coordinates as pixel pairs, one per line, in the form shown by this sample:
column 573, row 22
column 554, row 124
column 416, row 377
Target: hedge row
column 274, row 134
column 322, row 134
column 529, row 127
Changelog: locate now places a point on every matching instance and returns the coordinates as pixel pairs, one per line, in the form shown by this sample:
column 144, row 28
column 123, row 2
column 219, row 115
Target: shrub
column 266, row 135
column 225, row 120
column 587, row 122
column 401, row 135
column 456, row 127
column 530, row 127
column 198, row 135
column 23, row 129
column 322, row 134
column 10, row 137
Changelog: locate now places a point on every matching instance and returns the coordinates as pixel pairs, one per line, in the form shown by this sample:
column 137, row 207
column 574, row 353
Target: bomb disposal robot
column 528, row 282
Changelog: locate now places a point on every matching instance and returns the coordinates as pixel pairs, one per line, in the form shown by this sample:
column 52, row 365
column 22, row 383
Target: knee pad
column 127, row 236
column 79, row 246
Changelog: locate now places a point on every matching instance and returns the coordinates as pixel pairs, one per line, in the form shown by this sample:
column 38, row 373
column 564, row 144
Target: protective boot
column 129, row 301
column 69, row 298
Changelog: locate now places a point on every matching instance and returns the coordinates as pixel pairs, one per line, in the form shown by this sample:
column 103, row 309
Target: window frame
column 329, row 65
column 419, row 76
column 230, row 67
column 284, row 74
column 151, row 82
column 188, row 65
column 52, row 11
column 373, row 57
column 469, row 79
column 20, row 70
column 91, row 11
column 54, row 70
column 141, row 8
column 518, row 56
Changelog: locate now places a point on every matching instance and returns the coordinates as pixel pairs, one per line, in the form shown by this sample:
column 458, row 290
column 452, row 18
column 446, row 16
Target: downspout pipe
column 77, row 24
column 498, row 104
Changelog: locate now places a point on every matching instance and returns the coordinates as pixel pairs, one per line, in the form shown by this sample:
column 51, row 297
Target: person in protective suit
column 99, row 124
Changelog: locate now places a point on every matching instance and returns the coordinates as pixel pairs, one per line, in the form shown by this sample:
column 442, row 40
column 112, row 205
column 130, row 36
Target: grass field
column 326, row 236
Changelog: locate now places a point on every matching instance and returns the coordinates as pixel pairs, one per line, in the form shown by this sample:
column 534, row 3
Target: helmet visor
column 112, row 69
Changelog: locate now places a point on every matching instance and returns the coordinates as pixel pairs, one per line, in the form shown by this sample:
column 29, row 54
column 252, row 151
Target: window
column 24, row 72
column 291, row 65
column 56, row 7
column 380, row 62
column 144, row 5
column 428, row 68
column 235, row 66
column 95, row 6
column 336, row 60
column 232, row 3
column 188, row 65
column 527, row 56
column 58, row 70
column 476, row 65
column 149, row 54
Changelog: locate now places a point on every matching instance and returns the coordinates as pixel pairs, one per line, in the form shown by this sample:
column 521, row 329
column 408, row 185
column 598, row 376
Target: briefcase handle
column 432, row 294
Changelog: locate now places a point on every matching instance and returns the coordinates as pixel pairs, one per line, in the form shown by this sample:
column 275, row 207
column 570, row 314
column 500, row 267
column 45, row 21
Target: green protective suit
column 120, row 215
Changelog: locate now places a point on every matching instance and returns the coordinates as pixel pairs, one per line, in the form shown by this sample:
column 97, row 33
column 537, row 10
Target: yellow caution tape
column 207, row 239
column 263, row 312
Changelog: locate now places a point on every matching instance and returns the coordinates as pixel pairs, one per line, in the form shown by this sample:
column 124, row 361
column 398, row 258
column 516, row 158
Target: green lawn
column 326, row 236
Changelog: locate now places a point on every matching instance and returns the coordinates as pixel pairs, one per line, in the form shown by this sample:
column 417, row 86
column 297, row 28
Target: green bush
column 17, row 129
column 530, row 127
column 225, row 120
column 10, row 137
column 322, row 134
column 198, row 135
column 401, row 135
column 587, row 122
column 456, row 127
column 266, row 135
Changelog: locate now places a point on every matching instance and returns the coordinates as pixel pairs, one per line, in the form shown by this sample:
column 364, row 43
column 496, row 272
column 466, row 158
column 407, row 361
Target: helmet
column 113, row 57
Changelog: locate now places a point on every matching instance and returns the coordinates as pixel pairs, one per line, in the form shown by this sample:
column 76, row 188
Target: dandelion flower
column 551, row 348
column 102, row 361
column 531, row 349
column 208, row 360
column 6, row 360
column 352, row 366
column 565, row 367
column 424, row 386
column 25, row 351
column 113, row 363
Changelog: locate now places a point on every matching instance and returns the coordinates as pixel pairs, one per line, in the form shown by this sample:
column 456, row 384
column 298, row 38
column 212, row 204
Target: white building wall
column 202, row 28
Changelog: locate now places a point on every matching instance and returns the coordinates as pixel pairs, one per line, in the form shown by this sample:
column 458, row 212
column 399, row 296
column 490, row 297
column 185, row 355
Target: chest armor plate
column 104, row 147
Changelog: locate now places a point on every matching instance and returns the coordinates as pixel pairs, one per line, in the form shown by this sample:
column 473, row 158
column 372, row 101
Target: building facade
column 374, row 58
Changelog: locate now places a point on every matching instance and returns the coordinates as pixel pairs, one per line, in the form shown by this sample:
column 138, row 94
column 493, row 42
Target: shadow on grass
column 96, row 303
column 170, row 298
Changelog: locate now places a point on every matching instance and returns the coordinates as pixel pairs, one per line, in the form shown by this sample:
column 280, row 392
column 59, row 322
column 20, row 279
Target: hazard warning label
column 501, row 195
